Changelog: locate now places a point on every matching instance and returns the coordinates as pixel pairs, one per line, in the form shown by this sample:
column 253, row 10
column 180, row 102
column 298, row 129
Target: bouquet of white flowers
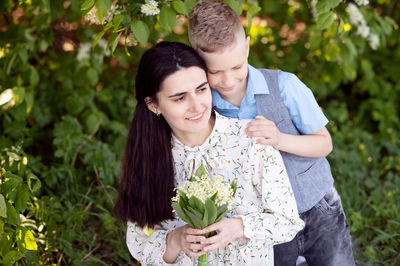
column 203, row 201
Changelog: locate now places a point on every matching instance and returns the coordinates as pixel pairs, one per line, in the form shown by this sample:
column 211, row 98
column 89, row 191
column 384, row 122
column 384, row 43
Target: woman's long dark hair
column 147, row 180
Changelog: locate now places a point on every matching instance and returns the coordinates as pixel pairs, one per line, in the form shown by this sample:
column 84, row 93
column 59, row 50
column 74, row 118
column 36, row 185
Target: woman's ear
column 151, row 105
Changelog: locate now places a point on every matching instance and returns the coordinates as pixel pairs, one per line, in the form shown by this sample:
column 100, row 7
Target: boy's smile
column 228, row 70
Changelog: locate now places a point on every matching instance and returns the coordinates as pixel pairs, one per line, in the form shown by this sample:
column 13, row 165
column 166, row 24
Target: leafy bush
column 66, row 85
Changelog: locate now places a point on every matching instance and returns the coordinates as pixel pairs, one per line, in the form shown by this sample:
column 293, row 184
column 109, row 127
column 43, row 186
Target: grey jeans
column 325, row 239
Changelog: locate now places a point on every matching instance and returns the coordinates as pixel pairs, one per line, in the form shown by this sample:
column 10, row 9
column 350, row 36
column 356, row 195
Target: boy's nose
column 227, row 81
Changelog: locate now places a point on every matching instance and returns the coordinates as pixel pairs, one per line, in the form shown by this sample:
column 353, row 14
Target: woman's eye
column 179, row 99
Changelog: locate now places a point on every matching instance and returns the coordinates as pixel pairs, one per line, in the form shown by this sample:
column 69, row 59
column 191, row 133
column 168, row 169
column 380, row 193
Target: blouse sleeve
column 279, row 222
column 149, row 249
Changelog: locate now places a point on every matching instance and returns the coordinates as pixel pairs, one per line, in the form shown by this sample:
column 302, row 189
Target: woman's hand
column 227, row 230
column 186, row 239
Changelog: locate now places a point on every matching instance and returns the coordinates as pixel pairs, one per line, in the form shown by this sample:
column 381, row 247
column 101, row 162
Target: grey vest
column 311, row 178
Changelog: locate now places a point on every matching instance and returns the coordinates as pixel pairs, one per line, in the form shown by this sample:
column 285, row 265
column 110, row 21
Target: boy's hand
column 265, row 129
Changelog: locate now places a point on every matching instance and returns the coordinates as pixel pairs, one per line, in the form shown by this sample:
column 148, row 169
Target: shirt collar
column 256, row 83
column 205, row 154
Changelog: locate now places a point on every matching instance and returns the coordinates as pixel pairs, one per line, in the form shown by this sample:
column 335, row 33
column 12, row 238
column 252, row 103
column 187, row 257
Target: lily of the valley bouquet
column 203, row 201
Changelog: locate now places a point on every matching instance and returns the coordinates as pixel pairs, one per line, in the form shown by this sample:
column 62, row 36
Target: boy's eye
column 212, row 72
column 237, row 67
column 203, row 89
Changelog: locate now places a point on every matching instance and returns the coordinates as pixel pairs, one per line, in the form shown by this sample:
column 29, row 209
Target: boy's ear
column 248, row 45
column 151, row 105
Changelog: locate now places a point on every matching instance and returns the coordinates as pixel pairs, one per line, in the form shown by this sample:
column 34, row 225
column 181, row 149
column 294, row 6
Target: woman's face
column 185, row 102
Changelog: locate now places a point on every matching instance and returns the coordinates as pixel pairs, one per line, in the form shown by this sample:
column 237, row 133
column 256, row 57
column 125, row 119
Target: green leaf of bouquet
column 200, row 171
column 211, row 210
column 181, row 213
column 183, row 199
column 196, row 203
column 196, row 217
column 213, row 197
column 221, row 211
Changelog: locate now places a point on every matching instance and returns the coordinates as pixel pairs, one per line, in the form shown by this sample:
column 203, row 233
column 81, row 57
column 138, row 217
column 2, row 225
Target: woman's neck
column 198, row 138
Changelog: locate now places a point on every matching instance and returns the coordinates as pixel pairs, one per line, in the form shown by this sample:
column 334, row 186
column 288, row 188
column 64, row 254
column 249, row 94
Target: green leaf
column 180, row 7
column 36, row 182
column 254, row 9
column 200, row 171
column 92, row 76
column 87, row 5
column 113, row 41
column 117, row 20
column 167, row 18
column 11, row 257
column 325, row 20
column 3, row 207
column 195, row 217
column 194, row 202
column 326, row 5
column 211, row 210
column 12, row 215
column 91, row 122
column 141, row 31
column 182, row 214
column 103, row 6
column 18, row 94
column 190, row 4
column 11, row 183
column 22, row 198
column 97, row 38
column 27, row 239
column 236, row 6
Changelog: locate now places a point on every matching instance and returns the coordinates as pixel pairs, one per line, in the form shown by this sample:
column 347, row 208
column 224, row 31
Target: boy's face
column 227, row 69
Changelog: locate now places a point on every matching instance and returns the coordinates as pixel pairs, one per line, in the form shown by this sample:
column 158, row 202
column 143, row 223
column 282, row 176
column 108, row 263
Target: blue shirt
column 298, row 98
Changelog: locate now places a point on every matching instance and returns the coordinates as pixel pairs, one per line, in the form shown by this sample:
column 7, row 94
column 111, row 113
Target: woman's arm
column 163, row 247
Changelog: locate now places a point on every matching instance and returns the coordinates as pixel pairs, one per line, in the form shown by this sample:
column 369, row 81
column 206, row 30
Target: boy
column 287, row 117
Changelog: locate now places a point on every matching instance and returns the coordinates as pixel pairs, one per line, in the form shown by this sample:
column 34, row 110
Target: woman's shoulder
column 234, row 125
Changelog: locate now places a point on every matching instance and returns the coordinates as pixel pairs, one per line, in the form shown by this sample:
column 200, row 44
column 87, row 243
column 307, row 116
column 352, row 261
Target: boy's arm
column 317, row 144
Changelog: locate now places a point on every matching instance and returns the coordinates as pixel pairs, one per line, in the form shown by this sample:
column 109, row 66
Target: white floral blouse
column 264, row 198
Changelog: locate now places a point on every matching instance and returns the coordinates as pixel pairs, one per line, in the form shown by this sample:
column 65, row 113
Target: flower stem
column 203, row 260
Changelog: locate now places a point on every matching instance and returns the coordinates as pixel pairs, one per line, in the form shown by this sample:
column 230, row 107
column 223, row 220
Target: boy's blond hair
column 213, row 26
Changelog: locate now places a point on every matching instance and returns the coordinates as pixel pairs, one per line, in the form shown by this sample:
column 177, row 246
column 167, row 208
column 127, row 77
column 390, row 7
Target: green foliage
column 65, row 107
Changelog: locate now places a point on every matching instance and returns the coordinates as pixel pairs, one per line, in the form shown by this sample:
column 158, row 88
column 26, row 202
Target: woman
column 174, row 130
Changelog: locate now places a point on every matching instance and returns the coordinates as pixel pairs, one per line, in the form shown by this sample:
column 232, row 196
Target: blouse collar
column 206, row 153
